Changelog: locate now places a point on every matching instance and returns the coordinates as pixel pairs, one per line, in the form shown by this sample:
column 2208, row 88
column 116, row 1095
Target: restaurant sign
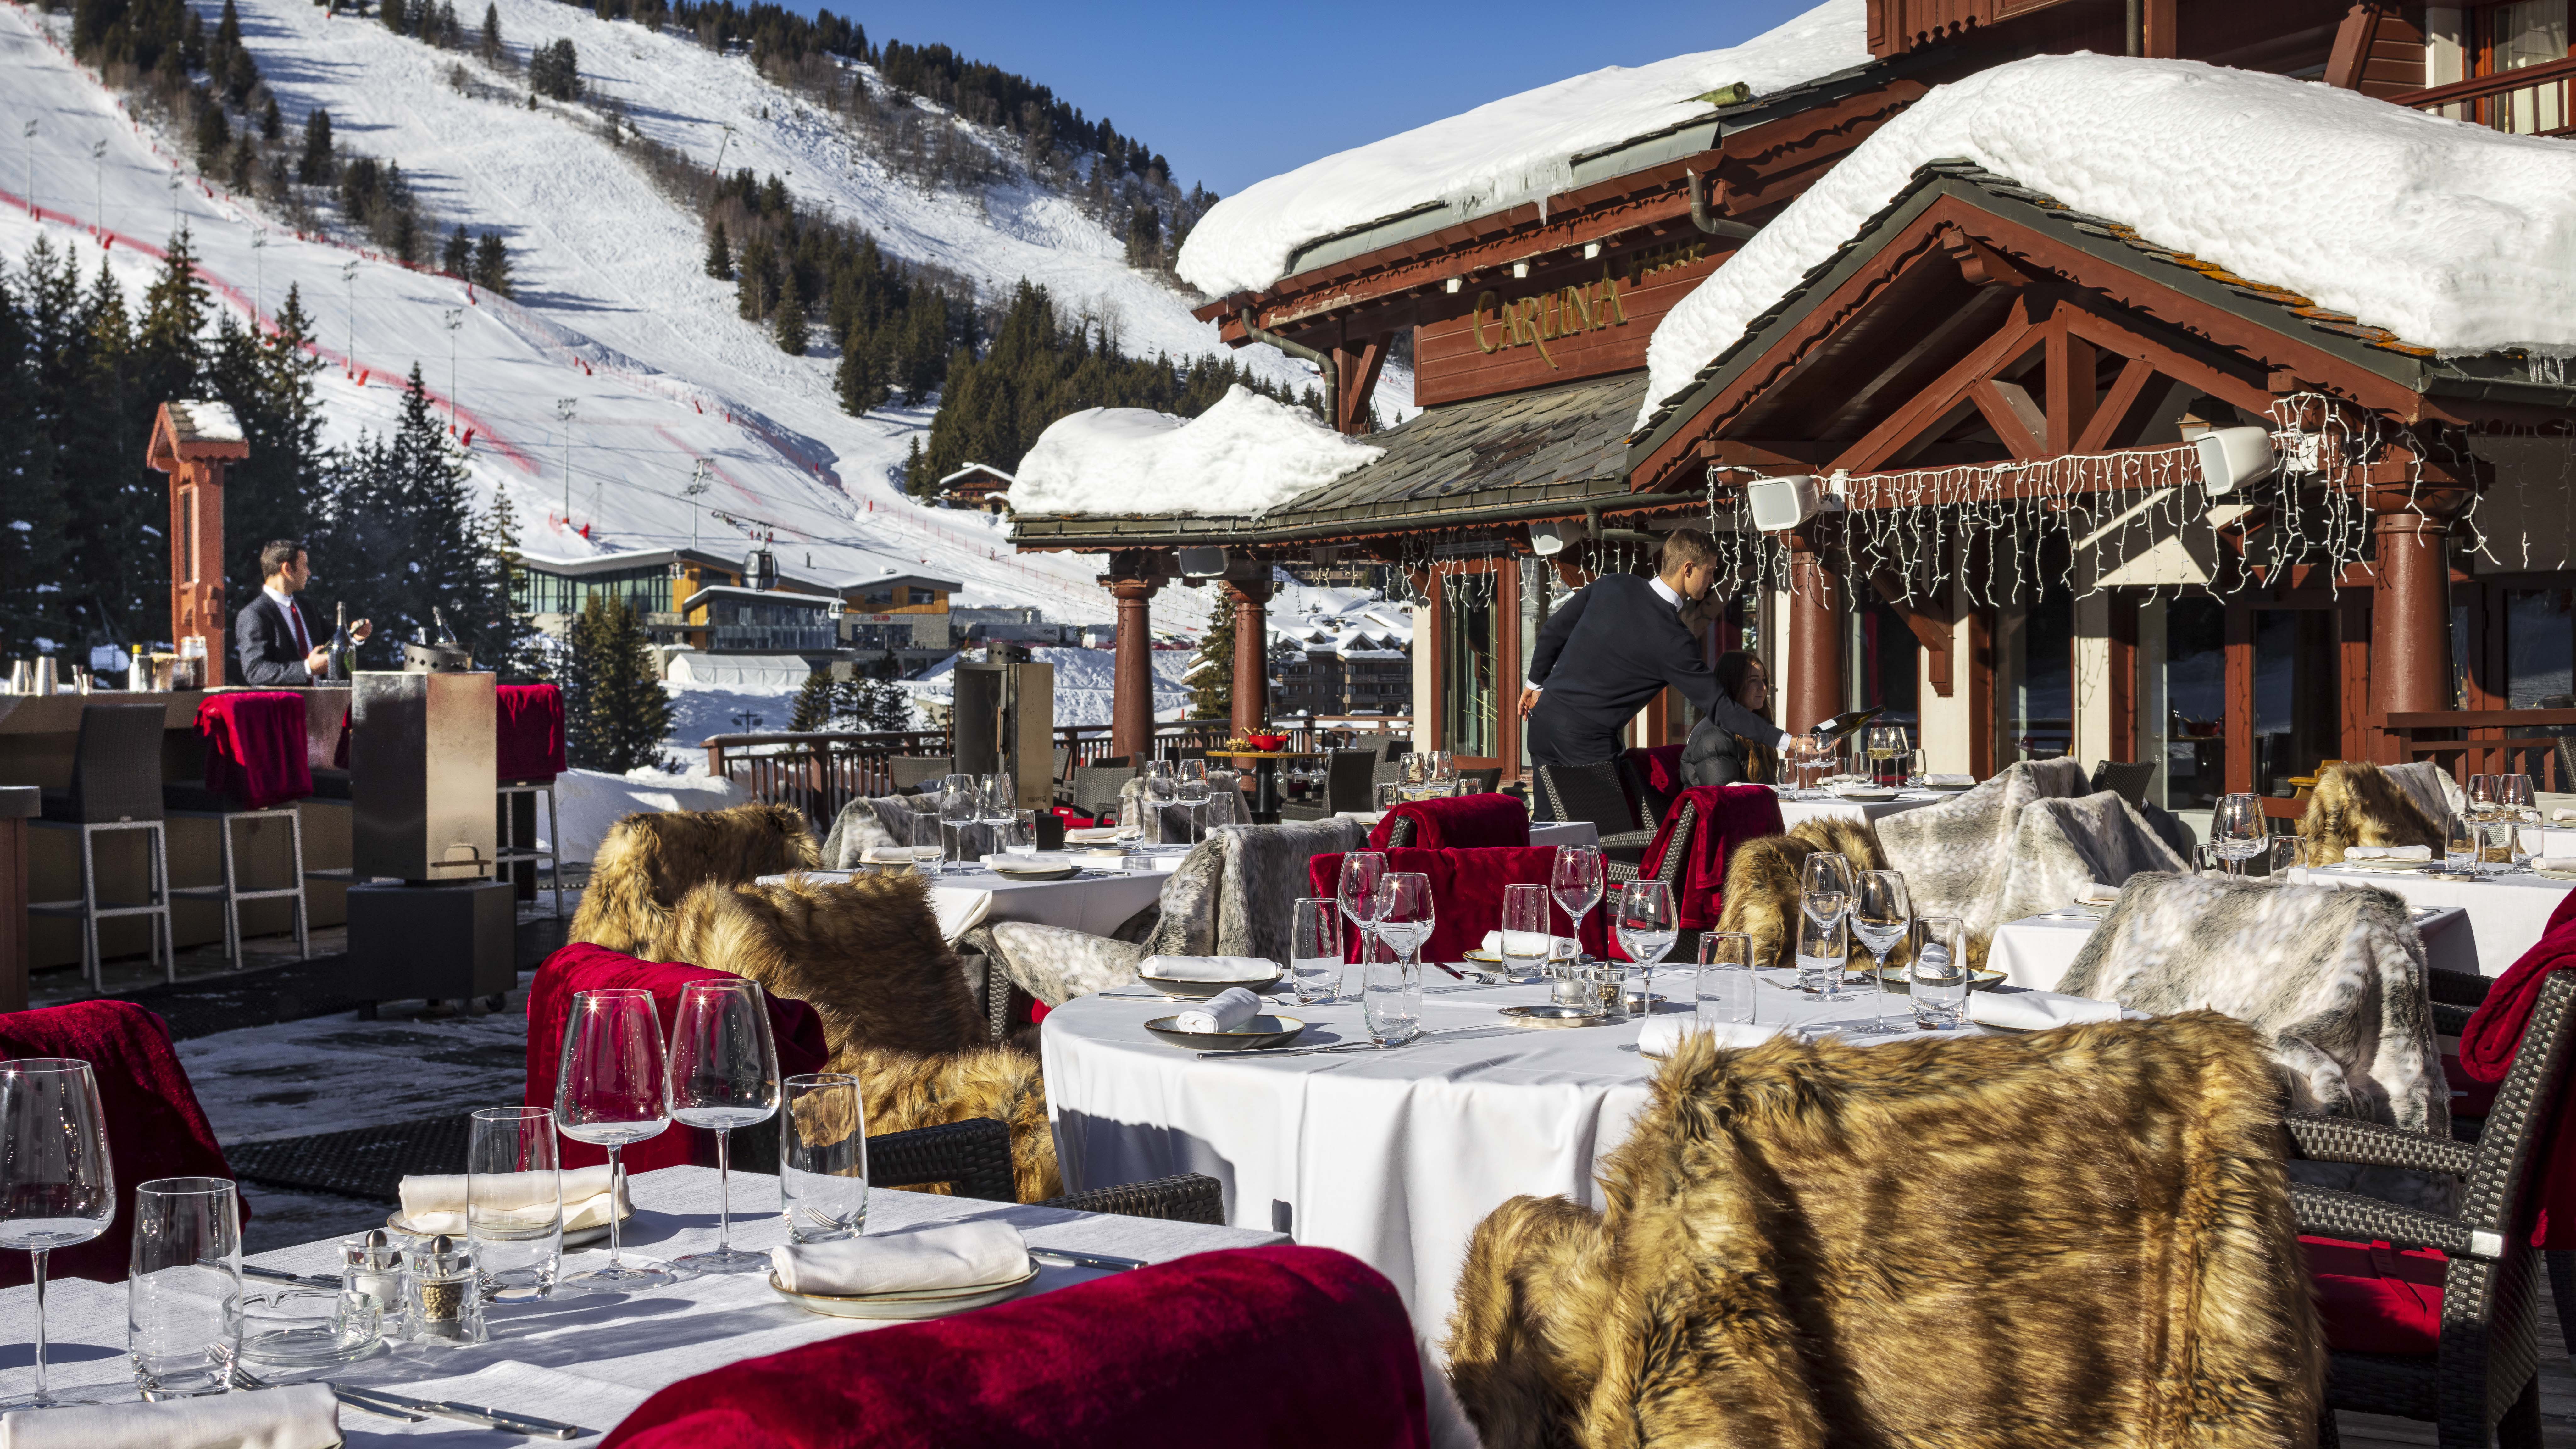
column 1579, row 323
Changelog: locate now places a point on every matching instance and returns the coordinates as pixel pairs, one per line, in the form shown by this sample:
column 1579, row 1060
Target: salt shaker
column 446, row 1295
column 371, row 1265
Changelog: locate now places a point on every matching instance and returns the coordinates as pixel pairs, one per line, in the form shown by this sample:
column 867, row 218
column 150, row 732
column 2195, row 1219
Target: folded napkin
column 888, row 855
column 2036, row 1010
column 2388, row 852
column 1037, row 860
column 959, row 909
column 1563, row 946
column 437, row 1204
column 2095, row 893
column 304, row 1416
column 1087, row 834
column 1949, row 779
column 1208, row 968
column 2562, row 813
column 1664, row 1033
column 1225, row 1011
column 953, row 1255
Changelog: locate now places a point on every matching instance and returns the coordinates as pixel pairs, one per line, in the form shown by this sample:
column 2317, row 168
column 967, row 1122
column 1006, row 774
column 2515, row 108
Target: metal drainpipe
column 2137, row 27
column 1323, row 364
column 1718, row 225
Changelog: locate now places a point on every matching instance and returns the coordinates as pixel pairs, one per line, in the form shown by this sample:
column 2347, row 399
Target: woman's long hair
column 1761, row 762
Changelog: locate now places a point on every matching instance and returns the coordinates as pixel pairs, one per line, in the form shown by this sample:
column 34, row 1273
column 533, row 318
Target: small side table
column 1265, row 779
column 18, row 805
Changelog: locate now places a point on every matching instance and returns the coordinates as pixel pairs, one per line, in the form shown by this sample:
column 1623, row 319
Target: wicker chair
column 2124, row 778
column 974, row 1158
column 911, row 772
column 1593, row 793
column 1350, row 782
column 2481, row 1380
column 1096, row 787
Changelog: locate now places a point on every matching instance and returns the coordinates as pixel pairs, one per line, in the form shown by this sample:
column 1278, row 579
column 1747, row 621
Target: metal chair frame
column 116, row 785
column 90, row 911
column 226, row 891
column 509, row 851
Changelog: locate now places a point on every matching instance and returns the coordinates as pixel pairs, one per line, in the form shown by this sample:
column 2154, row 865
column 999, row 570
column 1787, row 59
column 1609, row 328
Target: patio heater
column 1004, row 719
column 427, row 917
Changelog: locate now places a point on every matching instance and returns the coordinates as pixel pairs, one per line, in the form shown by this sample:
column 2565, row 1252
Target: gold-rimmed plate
column 1180, row 990
column 928, row 1303
column 1253, row 1035
column 1895, row 979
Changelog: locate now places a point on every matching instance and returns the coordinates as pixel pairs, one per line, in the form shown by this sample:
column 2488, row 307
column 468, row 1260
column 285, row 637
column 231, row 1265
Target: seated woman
column 1715, row 756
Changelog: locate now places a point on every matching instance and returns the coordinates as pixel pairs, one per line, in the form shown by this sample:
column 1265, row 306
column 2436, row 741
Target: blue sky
column 1232, row 93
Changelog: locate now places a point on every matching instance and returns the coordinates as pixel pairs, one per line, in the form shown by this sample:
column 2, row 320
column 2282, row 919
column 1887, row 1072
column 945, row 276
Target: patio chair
column 1349, row 782
column 2127, row 779
column 2355, row 802
column 2442, row 1326
column 1459, row 820
column 116, row 788
column 1593, row 793
column 1096, row 787
column 649, row 860
column 911, row 772
column 528, row 753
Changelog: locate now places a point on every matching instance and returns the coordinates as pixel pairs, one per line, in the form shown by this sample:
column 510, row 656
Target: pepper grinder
column 446, row 1296
column 371, row 1265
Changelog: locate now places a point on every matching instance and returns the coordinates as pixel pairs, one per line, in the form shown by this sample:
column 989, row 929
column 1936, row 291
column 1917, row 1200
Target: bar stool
column 116, row 786
column 527, row 754
column 509, row 851
column 220, row 798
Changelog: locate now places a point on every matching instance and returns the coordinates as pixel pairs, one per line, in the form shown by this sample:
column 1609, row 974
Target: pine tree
column 615, row 711
column 1212, row 668
column 315, row 167
column 555, row 71
column 492, row 264
column 719, row 254
column 214, row 137
column 860, row 378
column 787, row 324
column 271, row 124
column 32, row 544
column 816, row 703
column 100, row 413
column 282, row 489
column 447, row 32
column 457, row 257
column 391, row 12
column 509, row 644
column 489, row 45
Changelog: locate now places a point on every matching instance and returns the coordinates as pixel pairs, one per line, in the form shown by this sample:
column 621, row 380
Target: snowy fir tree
column 719, row 254
column 281, row 490
column 555, row 71
column 32, row 517
column 615, row 711
column 457, row 257
column 316, row 165
column 1212, row 668
column 787, row 319
column 814, row 702
column 492, row 264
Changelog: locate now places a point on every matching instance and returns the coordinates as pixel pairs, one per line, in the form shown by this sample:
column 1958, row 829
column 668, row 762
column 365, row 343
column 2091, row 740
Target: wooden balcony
column 2532, row 101
column 2489, row 742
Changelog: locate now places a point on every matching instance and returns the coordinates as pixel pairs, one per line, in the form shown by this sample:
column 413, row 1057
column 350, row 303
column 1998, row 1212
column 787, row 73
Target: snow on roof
column 973, row 468
column 1504, row 153
column 1242, row 457
column 2450, row 235
column 205, row 422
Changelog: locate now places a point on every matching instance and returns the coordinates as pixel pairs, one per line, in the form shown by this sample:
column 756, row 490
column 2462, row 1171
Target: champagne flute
column 1391, row 993
column 610, row 1090
column 1646, row 929
column 1576, row 883
column 1881, row 916
column 1824, row 897
column 1361, row 871
column 724, row 1074
column 2237, row 831
column 56, row 1187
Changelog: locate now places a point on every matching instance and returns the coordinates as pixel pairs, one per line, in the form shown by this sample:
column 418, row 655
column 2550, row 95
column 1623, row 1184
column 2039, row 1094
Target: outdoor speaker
column 2230, row 458
column 1201, row 563
column 1780, row 503
column 1546, row 540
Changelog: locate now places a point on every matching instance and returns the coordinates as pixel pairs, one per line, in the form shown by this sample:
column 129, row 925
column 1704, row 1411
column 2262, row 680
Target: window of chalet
column 2297, row 694
column 2498, row 38
column 1885, row 665
column 2540, row 647
column 1469, row 722
column 2195, row 666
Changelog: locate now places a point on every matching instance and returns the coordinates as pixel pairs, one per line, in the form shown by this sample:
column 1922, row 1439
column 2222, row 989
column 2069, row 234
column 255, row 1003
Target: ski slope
column 593, row 399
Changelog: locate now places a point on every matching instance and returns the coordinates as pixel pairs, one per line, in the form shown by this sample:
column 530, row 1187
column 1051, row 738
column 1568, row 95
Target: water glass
column 2238, row 831
column 823, row 1157
column 183, row 1288
column 1018, row 834
column 56, row 1186
column 724, row 1074
column 611, row 1090
column 1528, row 936
column 1315, row 949
column 514, row 1201
column 2460, row 838
column 1385, row 795
column 927, row 851
column 1938, row 980
column 1881, row 916
column 1918, row 767
column 1645, row 923
column 1390, row 992
column 1725, row 979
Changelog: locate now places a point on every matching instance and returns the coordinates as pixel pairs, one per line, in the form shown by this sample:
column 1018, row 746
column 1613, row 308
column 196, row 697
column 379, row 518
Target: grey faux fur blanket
column 1958, row 856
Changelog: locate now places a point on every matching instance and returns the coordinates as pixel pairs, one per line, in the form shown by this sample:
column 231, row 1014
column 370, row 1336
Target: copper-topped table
column 1265, row 778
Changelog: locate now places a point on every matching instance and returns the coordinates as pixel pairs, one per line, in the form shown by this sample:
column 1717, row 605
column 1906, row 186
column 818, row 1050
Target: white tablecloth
column 590, row 1360
column 1393, row 1157
column 1096, row 902
column 2036, row 950
column 2507, row 912
column 1793, row 811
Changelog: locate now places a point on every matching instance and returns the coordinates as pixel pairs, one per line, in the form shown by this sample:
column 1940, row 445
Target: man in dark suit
column 270, row 638
column 1613, row 647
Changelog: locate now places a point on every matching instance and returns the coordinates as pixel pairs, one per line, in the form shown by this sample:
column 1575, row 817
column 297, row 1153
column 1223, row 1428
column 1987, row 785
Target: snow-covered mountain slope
column 615, row 316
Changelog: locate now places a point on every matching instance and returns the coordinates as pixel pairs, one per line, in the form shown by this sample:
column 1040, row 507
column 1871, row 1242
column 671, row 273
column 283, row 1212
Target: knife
column 502, row 1419
column 243, row 1378
column 280, row 1275
column 1085, row 1260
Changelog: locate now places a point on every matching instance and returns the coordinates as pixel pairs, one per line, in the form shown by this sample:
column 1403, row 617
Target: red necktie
column 295, row 616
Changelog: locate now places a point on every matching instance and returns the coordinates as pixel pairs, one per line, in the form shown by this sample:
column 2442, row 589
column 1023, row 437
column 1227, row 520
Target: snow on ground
column 2448, row 234
column 590, row 801
column 1084, row 682
column 1505, row 153
column 1241, row 458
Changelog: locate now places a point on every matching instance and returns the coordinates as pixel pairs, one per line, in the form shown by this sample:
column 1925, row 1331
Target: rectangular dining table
column 591, row 1359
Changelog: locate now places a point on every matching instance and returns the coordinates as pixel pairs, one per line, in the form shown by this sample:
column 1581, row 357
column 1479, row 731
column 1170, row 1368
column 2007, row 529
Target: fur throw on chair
column 653, row 858
column 1761, row 895
column 2060, row 846
column 868, row 824
column 2358, row 803
column 2079, row 1237
column 2332, row 976
column 867, row 955
column 1958, row 855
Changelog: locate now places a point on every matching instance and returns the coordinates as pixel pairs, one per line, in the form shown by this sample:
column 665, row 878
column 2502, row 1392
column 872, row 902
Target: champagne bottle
column 1846, row 723
column 446, row 636
column 341, row 656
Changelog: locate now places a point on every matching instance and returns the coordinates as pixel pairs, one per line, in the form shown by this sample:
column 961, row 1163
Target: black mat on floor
column 364, row 1162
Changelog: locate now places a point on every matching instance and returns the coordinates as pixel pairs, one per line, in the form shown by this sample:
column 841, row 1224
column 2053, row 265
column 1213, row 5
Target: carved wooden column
column 192, row 442
column 1133, row 580
column 1251, row 600
column 1816, row 607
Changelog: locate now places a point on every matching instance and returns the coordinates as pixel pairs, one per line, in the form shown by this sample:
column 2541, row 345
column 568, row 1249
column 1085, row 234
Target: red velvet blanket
column 584, row 967
column 1255, row 1348
column 255, row 746
column 1459, row 820
column 154, row 1126
column 1466, row 894
column 1728, row 815
column 528, row 736
column 2487, row 1048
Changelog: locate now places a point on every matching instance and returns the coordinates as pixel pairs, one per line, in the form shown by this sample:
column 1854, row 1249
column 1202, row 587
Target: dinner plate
column 1552, row 1016
column 1869, row 797
column 2392, row 866
column 1261, row 1031
column 928, row 1303
column 1894, row 979
column 2553, row 874
column 577, row 1238
column 1202, row 990
column 1061, row 872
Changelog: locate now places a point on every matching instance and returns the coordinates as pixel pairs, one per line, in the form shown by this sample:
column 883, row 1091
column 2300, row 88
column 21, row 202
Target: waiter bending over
column 1613, row 647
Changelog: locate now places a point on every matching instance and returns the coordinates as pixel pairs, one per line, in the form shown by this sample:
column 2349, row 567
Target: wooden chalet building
column 1997, row 395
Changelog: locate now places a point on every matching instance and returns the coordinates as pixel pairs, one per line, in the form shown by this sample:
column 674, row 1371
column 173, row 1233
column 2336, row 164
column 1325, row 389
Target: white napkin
column 1949, row 779
column 1563, row 946
column 1035, row 860
column 1085, row 835
column 2562, row 813
column 437, row 1204
column 304, row 1416
column 1225, row 1011
column 1208, row 968
column 959, row 909
column 953, row 1255
column 1664, row 1033
column 2095, row 893
column 2036, row 1010
column 2388, row 852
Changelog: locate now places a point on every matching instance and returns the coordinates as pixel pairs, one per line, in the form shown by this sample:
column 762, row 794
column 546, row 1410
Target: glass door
column 2195, row 701
column 1469, row 704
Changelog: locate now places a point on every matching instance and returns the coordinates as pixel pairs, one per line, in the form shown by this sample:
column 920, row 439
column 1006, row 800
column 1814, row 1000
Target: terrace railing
column 817, row 772
column 2532, row 101
column 2489, row 742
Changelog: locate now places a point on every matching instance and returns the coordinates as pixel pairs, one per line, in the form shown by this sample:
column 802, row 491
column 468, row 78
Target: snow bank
column 1502, row 154
column 589, row 801
column 1242, row 457
column 1085, row 682
column 2450, row 235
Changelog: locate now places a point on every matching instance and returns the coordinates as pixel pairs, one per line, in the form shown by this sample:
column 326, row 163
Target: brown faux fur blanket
column 1762, row 881
column 2358, row 803
column 652, row 858
column 2080, row 1237
column 867, row 955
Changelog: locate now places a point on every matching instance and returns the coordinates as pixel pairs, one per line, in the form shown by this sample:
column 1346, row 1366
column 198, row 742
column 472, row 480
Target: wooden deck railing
column 2489, row 742
column 2533, row 100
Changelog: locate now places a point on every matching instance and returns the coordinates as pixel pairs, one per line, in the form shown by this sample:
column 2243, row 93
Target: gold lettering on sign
column 1553, row 316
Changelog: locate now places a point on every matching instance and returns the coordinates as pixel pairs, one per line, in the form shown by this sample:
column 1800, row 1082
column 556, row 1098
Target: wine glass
column 1576, row 883
column 960, row 806
column 1391, row 993
column 56, row 1187
column 2237, row 831
column 1824, row 898
column 724, row 1074
column 612, row 1090
column 1361, row 871
column 1644, row 920
column 1881, row 916
column 1193, row 789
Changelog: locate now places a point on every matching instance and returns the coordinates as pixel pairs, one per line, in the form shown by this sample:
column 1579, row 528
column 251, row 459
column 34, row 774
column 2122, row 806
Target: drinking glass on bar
column 56, row 1187
column 823, row 1157
column 612, row 1090
column 1824, row 898
column 1725, row 986
column 1315, row 949
column 1938, row 980
column 514, row 1201
column 724, row 1074
column 183, row 1290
